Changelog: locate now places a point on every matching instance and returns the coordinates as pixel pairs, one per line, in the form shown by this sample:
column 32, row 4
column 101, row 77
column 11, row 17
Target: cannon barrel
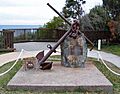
column 70, row 24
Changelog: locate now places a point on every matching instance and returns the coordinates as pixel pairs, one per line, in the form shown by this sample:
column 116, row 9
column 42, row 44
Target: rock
column 74, row 51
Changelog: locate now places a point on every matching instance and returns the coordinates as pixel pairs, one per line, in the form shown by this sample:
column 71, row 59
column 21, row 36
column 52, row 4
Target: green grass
column 3, row 52
column 114, row 79
column 5, row 78
column 114, row 49
column 54, row 58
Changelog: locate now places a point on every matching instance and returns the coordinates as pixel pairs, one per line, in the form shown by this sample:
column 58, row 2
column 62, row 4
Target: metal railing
column 36, row 34
column 48, row 35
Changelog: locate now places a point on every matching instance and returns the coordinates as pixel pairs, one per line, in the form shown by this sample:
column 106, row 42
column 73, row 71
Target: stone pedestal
column 74, row 51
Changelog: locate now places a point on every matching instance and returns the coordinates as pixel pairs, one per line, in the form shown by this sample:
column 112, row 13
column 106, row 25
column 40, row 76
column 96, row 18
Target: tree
column 55, row 23
column 73, row 9
column 86, row 23
column 113, row 7
column 99, row 18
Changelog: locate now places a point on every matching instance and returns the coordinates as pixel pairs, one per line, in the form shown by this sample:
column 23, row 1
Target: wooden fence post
column 8, row 37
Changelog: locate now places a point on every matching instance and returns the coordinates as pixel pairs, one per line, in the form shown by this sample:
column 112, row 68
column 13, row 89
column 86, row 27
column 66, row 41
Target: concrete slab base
column 60, row 78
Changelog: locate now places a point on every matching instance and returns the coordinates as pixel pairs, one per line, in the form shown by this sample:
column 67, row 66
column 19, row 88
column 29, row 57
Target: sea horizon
column 19, row 26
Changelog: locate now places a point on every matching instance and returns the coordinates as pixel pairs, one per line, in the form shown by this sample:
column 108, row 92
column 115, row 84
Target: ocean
column 18, row 26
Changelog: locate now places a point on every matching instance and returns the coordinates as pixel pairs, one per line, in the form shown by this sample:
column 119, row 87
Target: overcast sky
column 36, row 12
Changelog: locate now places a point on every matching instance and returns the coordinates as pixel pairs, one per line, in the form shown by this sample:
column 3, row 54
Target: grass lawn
column 114, row 79
column 115, row 49
column 3, row 52
column 5, row 79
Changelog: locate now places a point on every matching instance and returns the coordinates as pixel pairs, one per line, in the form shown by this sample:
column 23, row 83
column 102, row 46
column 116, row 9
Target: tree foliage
column 73, row 8
column 113, row 7
column 99, row 18
column 55, row 23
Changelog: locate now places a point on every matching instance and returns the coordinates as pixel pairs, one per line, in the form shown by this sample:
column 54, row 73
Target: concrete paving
column 60, row 78
column 8, row 57
column 33, row 46
column 114, row 59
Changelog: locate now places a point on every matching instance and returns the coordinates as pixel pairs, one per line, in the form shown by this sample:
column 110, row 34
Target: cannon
column 73, row 27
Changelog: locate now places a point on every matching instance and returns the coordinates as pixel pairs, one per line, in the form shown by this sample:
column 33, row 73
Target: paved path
column 5, row 58
column 106, row 56
column 8, row 57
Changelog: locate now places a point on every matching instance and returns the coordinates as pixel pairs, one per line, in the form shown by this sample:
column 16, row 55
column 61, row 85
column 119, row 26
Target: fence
column 6, row 38
column 44, row 34
column 1, row 39
column 37, row 35
column 95, row 35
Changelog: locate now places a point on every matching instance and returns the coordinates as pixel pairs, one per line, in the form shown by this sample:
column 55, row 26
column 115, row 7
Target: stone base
column 60, row 78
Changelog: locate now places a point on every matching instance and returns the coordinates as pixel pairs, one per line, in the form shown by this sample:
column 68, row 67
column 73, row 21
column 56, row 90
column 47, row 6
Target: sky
column 34, row 12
